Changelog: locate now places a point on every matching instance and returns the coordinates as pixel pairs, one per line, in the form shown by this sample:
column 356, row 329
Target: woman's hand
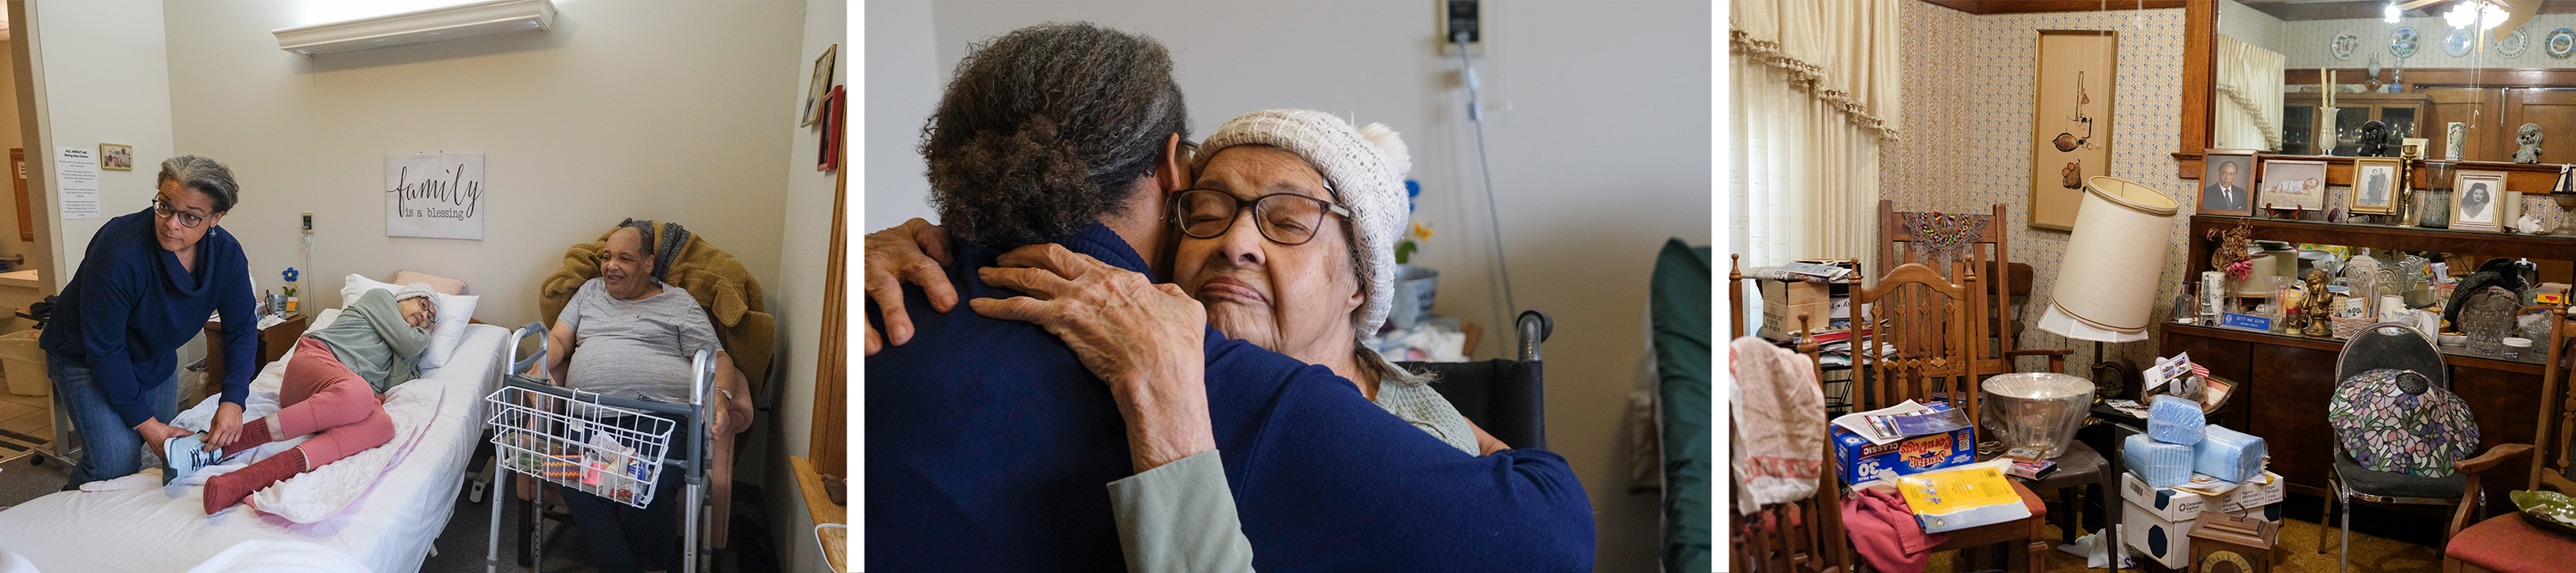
column 1486, row 443
column 154, row 432
column 914, row 251
column 1144, row 339
column 227, row 427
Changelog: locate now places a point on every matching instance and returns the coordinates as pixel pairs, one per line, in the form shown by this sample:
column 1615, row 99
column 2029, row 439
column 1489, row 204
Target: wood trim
column 828, row 445
column 2199, row 76
column 2518, row 177
column 1984, row 7
column 2447, row 77
column 2330, row 345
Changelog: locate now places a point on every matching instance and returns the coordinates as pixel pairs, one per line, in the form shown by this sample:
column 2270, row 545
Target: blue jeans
column 110, row 449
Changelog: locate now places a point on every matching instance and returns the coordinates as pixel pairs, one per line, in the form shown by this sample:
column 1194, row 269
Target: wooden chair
column 1988, row 255
column 1922, row 316
column 1804, row 536
column 2510, row 542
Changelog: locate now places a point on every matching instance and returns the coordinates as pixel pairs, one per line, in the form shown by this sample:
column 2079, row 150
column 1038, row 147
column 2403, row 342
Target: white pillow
column 454, row 311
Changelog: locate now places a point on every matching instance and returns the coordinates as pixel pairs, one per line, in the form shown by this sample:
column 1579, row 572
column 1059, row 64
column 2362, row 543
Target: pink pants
column 322, row 395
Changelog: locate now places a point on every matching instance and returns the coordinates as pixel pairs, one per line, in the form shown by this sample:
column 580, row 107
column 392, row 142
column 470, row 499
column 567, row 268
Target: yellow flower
column 1421, row 232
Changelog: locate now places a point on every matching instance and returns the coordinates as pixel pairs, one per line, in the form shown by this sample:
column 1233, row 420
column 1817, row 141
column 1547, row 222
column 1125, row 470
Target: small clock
column 2458, row 43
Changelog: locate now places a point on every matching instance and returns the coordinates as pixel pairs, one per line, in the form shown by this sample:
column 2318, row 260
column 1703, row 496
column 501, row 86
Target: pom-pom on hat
column 1364, row 166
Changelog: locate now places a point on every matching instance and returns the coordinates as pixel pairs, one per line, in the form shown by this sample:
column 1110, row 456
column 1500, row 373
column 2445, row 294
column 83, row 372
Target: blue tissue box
column 2174, row 420
column 1856, row 460
column 2227, row 454
column 2159, row 464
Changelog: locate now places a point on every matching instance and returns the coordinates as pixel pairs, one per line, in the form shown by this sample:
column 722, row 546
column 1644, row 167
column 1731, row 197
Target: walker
column 565, row 436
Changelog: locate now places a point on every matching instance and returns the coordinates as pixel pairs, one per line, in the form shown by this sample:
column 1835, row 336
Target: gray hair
column 203, row 176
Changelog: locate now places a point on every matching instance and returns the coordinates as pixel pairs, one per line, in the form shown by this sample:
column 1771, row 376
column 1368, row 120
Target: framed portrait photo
column 2292, row 184
column 2477, row 201
column 116, row 157
column 2376, row 183
column 2226, row 182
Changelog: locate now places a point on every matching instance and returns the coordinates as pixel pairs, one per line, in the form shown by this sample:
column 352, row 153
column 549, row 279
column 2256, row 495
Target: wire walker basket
column 611, row 447
column 611, row 452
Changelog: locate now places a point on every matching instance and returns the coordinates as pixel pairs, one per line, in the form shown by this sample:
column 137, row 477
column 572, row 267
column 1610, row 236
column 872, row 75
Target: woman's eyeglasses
column 1284, row 218
column 186, row 219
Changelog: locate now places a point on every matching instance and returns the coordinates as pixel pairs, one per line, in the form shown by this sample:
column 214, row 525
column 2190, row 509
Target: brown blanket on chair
column 719, row 282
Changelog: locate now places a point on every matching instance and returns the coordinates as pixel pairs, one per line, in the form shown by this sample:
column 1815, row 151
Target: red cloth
column 2511, row 544
column 1885, row 533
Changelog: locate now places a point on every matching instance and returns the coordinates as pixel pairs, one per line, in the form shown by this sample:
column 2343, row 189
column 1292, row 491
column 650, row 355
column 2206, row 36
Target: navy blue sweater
column 990, row 448
column 131, row 305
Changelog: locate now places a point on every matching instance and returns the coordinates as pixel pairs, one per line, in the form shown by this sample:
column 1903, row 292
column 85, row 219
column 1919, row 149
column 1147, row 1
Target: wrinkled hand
column 227, row 427
column 1144, row 339
column 912, row 252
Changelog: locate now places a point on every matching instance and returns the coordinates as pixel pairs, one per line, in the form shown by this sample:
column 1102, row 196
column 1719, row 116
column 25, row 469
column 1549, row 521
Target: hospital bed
column 389, row 529
column 556, row 434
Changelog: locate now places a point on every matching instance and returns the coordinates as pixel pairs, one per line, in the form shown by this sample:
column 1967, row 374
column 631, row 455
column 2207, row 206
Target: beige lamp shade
column 2107, row 278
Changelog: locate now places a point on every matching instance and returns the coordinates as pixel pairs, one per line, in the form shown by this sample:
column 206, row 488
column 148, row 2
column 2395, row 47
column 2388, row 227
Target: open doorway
column 27, row 416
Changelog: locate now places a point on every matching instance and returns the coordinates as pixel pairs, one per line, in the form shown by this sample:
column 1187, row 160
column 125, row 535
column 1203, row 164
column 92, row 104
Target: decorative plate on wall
column 2560, row 43
column 2402, row 42
column 2345, row 43
column 2513, row 45
column 2458, row 43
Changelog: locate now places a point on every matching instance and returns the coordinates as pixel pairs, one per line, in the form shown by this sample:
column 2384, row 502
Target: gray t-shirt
column 635, row 348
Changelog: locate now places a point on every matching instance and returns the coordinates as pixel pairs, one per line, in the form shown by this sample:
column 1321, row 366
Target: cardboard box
column 1859, row 461
column 1783, row 302
column 2271, row 513
column 2255, row 493
column 2170, row 504
column 2151, row 537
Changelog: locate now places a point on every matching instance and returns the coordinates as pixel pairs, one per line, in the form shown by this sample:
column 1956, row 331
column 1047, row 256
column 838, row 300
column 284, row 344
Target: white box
column 2271, row 513
column 2151, row 537
column 2255, row 494
column 2163, row 502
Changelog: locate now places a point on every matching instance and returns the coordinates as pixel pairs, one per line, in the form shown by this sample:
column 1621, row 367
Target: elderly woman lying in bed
column 332, row 388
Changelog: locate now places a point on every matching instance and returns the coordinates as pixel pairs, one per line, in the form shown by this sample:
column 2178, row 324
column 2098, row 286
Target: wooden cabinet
column 2403, row 113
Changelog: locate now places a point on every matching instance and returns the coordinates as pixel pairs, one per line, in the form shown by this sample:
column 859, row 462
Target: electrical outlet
column 1461, row 17
column 308, row 222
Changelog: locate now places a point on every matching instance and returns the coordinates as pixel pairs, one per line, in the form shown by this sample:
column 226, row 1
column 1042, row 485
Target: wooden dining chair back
column 1918, row 326
column 1935, row 239
column 1803, row 536
column 2511, row 542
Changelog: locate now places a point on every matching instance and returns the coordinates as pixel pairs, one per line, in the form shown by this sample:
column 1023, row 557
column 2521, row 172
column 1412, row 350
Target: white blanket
column 389, row 528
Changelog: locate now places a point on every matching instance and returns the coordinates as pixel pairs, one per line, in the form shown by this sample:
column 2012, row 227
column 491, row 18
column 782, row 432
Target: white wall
column 104, row 79
column 803, row 256
column 1598, row 124
column 659, row 110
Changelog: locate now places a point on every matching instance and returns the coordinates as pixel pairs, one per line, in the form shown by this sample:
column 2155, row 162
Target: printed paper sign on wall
column 436, row 195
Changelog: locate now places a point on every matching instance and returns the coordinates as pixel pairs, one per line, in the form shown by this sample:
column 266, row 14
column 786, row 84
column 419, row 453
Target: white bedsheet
column 146, row 530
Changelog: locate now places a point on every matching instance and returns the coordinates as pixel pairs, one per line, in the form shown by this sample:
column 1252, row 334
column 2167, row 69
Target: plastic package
column 2157, row 463
column 2174, row 420
column 2227, row 454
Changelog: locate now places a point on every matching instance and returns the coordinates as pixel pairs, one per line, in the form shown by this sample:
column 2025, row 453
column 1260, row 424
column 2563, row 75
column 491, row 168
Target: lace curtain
column 1815, row 92
column 2249, row 97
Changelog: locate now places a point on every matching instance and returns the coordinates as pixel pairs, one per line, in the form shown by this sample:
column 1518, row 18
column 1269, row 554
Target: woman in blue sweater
column 145, row 286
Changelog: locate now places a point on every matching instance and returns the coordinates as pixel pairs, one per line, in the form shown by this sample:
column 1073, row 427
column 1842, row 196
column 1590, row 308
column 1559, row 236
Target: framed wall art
column 2227, row 182
column 2070, row 127
column 2477, row 201
column 2376, row 185
column 2292, row 184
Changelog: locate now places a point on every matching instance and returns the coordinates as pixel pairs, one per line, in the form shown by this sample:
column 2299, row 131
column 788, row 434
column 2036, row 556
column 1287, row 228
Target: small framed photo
column 117, row 157
column 820, row 85
column 2224, row 182
column 2375, row 185
column 2293, row 184
column 2477, row 201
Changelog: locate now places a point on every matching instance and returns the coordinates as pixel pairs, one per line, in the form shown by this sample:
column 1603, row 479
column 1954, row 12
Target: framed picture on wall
column 2226, row 179
column 2375, row 185
column 2070, row 127
column 2291, row 184
column 116, row 157
column 2477, row 201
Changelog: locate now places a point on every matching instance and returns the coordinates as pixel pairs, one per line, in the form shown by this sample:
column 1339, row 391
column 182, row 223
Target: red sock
column 254, row 434
column 225, row 490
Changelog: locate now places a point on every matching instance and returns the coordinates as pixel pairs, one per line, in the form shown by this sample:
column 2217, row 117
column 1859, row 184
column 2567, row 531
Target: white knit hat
column 1366, row 169
column 416, row 290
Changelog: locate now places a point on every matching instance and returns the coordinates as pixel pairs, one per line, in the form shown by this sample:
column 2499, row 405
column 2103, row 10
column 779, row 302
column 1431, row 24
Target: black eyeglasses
column 187, row 219
column 1284, row 218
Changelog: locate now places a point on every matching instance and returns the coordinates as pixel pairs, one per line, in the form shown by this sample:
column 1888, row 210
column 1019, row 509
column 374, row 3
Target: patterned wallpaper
column 1970, row 159
column 2249, row 25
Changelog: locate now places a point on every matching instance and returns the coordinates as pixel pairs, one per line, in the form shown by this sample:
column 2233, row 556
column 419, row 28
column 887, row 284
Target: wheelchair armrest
column 1534, row 327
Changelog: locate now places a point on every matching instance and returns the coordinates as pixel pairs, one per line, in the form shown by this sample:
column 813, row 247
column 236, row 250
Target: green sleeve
column 378, row 307
column 1180, row 517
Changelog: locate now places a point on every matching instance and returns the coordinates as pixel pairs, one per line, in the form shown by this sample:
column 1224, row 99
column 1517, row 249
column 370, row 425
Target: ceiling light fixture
column 2491, row 15
column 2461, row 15
column 419, row 26
column 2392, row 14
